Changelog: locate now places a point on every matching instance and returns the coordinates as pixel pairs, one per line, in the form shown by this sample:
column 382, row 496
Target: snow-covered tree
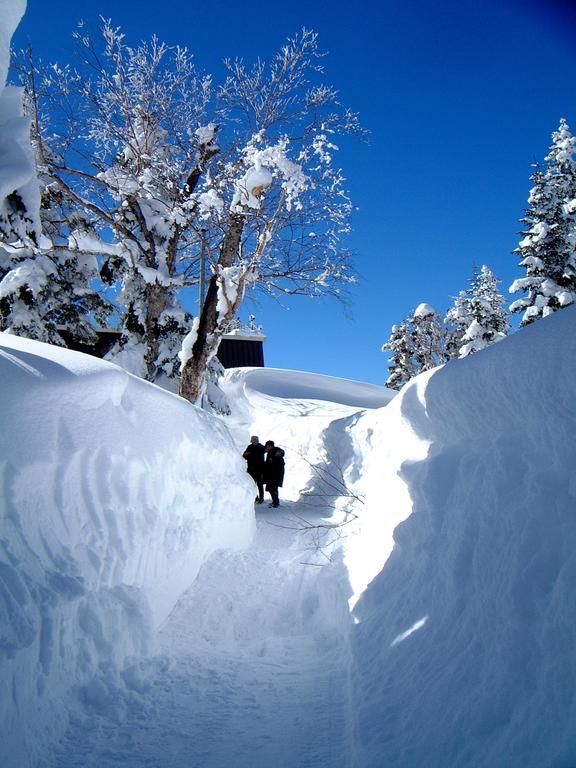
column 477, row 318
column 178, row 176
column 123, row 138
column 417, row 344
column 47, row 289
column 457, row 322
column 487, row 313
column 282, row 207
column 401, row 366
column 19, row 199
column 548, row 246
column 428, row 338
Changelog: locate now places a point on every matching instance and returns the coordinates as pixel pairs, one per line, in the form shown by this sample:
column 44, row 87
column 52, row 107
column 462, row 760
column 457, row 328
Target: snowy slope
column 298, row 385
column 113, row 492
column 465, row 650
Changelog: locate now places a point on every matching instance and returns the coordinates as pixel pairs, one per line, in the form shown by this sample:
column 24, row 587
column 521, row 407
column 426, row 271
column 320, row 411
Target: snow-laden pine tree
column 417, row 344
column 547, row 248
column 401, row 365
column 429, row 338
column 46, row 286
column 457, row 322
column 477, row 318
column 488, row 319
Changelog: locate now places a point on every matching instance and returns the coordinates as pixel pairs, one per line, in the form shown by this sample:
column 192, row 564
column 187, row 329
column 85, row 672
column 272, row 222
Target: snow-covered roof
column 244, row 334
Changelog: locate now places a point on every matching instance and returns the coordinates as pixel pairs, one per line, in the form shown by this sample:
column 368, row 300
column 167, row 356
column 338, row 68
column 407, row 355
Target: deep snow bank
column 465, row 650
column 112, row 494
column 17, row 167
column 314, row 386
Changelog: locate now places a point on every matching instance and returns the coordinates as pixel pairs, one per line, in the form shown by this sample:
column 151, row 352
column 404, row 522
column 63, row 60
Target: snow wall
column 465, row 650
column 112, row 494
column 17, row 167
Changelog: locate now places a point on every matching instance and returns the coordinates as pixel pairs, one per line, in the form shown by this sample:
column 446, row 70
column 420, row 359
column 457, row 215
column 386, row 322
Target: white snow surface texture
column 461, row 566
column 17, row 167
column 112, row 494
column 465, row 650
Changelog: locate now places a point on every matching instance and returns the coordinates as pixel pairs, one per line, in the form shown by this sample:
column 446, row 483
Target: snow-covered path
column 252, row 662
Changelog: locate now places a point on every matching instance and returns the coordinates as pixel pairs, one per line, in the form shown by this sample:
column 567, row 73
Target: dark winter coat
column 254, row 455
column 274, row 468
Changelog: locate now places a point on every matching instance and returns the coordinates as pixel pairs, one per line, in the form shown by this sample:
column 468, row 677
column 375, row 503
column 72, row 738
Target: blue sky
column 460, row 98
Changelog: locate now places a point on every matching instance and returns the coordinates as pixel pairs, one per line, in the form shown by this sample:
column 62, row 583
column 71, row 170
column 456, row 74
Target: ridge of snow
column 469, row 623
column 287, row 384
column 113, row 493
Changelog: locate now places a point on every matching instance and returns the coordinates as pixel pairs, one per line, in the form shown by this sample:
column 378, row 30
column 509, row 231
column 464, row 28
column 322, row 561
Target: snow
column 281, row 383
column 188, row 342
column 244, row 334
column 251, row 187
column 16, row 159
column 206, row 133
column 209, row 202
column 34, row 274
column 83, row 241
column 11, row 11
column 424, row 310
column 229, row 284
column 485, row 563
column 264, row 165
column 113, row 494
column 148, row 627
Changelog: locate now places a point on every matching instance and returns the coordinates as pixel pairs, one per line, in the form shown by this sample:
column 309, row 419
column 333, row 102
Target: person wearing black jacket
column 254, row 455
column 273, row 471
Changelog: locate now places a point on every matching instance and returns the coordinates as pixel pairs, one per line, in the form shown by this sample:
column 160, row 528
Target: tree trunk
column 210, row 326
column 193, row 373
column 155, row 304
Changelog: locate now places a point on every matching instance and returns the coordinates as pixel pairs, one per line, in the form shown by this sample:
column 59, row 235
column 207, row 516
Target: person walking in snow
column 254, row 455
column 273, row 471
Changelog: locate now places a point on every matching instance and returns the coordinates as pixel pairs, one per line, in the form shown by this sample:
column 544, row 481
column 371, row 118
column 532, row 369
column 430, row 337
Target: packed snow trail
column 252, row 670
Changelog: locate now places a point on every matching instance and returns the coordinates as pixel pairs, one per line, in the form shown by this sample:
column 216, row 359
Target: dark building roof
column 106, row 340
column 235, row 351
column 241, row 351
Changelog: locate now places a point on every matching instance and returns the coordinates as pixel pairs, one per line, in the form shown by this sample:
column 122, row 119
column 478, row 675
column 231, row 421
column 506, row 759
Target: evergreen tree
column 477, row 318
column 46, row 289
column 457, row 322
column 417, row 345
column 488, row 319
column 401, row 366
column 547, row 248
column 429, row 338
